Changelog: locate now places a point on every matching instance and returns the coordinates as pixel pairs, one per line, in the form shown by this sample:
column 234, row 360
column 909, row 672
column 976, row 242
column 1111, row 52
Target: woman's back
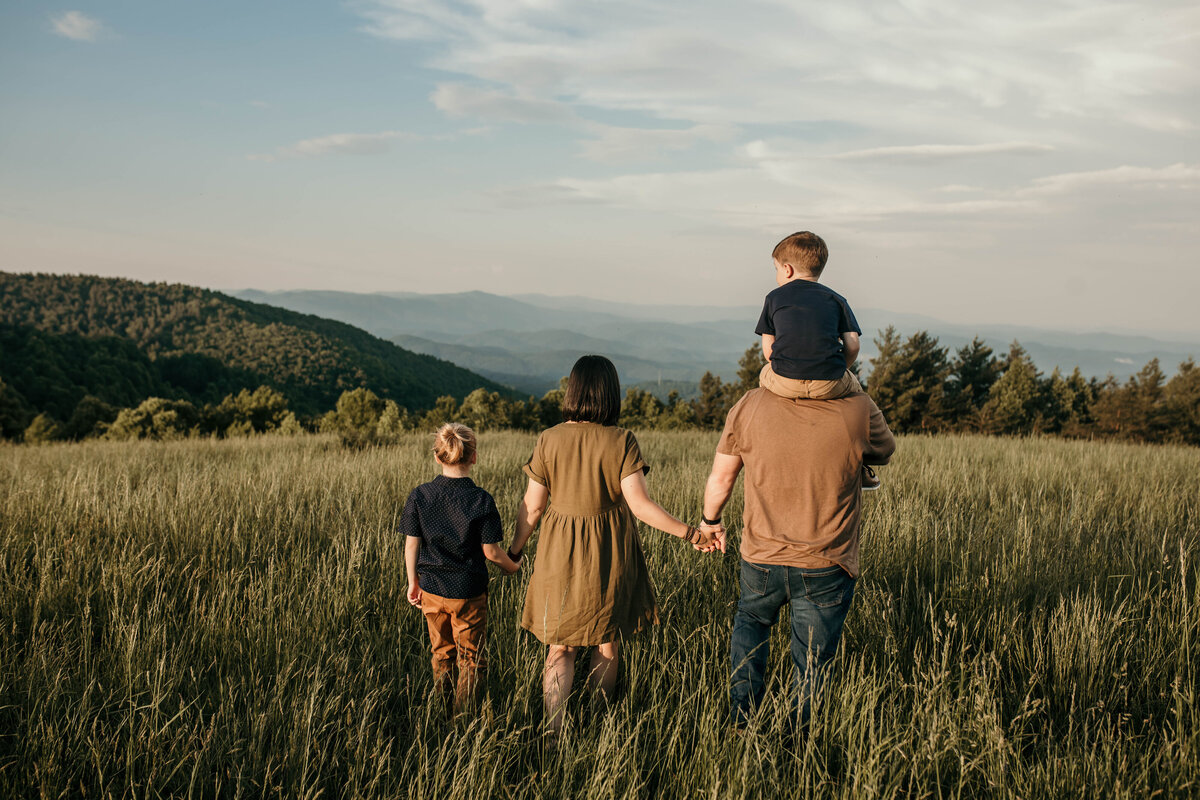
column 582, row 464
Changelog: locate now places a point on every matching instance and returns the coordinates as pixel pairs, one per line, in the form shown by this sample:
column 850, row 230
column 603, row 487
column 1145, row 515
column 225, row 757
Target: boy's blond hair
column 454, row 443
column 804, row 250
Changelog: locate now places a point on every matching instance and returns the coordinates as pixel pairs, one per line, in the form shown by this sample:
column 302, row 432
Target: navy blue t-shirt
column 807, row 321
column 453, row 518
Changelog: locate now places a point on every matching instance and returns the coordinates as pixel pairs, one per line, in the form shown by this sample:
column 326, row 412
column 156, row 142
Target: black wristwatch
column 708, row 521
column 514, row 556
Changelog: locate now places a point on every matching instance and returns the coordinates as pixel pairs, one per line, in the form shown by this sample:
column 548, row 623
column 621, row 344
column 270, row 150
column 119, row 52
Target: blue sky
column 1028, row 163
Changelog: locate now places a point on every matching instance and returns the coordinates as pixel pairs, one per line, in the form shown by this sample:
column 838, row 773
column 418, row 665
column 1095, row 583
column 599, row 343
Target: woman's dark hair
column 593, row 392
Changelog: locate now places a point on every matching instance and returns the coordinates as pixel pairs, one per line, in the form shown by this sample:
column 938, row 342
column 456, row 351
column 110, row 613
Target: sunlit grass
column 227, row 618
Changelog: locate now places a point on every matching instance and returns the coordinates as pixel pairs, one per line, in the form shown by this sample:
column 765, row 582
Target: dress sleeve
column 492, row 530
column 535, row 467
column 632, row 461
column 410, row 523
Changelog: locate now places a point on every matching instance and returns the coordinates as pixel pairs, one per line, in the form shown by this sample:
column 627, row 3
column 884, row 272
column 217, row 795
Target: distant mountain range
column 530, row 341
column 66, row 336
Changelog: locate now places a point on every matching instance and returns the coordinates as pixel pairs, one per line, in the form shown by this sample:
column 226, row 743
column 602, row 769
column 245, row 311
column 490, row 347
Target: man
column 800, row 531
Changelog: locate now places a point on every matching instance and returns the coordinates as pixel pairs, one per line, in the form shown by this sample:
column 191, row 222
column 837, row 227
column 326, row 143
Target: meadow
column 227, row 619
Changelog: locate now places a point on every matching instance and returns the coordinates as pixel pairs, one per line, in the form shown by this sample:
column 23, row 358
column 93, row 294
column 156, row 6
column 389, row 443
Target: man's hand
column 718, row 542
column 414, row 594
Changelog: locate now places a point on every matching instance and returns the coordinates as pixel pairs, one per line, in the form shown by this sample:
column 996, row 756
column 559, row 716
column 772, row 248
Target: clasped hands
column 712, row 538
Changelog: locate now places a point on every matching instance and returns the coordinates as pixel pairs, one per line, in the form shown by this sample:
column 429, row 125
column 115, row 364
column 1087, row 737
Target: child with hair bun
column 452, row 529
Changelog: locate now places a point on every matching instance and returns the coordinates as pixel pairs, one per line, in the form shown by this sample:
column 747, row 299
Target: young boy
column 451, row 526
column 809, row 334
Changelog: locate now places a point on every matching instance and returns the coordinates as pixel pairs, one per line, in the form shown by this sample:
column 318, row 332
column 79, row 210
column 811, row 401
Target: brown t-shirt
column 803, row 462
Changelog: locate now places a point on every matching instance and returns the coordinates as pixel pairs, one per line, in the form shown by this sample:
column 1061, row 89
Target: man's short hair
column 804, row 250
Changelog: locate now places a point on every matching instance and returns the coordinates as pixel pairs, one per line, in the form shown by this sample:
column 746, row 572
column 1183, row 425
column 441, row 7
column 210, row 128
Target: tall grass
column 228, row 619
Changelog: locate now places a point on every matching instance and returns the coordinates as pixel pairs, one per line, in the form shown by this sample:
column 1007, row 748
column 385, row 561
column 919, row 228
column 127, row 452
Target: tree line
column 920, row 386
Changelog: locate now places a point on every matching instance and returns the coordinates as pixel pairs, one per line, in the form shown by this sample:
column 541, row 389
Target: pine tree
column 1015, row 401
column 973, row 370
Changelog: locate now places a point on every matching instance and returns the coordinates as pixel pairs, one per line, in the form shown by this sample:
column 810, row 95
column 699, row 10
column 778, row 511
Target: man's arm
column 720, row 482
column 880, row 441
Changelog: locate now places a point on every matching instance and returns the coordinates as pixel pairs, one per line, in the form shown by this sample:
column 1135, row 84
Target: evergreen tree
column 749, row 367
column 708, row 410
column 883, row 382
column 908, row 380
column 973, row 370
column 1015, row 400
column 1181, row 405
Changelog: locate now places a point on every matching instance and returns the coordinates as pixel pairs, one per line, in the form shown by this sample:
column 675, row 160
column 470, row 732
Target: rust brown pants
column 457, row 631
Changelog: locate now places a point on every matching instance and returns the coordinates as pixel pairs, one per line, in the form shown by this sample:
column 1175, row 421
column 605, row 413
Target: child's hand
column 414, row 594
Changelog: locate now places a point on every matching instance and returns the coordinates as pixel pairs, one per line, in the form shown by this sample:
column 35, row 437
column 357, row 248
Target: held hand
column 717, row 532
column 414, row 595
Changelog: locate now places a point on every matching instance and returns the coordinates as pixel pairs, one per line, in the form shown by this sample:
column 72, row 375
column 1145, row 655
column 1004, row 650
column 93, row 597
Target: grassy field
column 228, row 619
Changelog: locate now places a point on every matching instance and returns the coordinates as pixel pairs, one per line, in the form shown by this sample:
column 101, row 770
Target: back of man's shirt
column 802, row 462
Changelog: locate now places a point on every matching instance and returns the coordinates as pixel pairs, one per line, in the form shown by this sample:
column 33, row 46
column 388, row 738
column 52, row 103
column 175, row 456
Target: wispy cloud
column 358, row 144
column 938, row 152
column 458, row 100
column 1174, row 176
column 76, row 25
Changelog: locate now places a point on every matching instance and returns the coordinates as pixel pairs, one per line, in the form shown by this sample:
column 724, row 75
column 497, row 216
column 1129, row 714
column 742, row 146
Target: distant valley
column 530, row 341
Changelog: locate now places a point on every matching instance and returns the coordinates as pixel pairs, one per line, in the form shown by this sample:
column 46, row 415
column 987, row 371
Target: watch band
column 708, row 521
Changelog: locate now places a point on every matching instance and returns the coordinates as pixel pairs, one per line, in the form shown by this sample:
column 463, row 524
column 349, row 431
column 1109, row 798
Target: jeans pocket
column 827, row 589
column 754, row 578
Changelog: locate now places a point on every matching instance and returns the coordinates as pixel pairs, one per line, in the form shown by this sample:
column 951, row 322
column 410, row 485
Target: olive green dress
column 590, row 584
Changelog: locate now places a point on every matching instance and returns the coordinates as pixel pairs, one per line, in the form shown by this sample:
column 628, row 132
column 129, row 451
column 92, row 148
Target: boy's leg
column 784, row 387
column 831, row 390
column 763, row 593
column 469, row 623
column 441, row 637
column 820, row 599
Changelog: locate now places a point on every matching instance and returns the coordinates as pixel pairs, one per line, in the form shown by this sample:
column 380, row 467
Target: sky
column 1032, row 163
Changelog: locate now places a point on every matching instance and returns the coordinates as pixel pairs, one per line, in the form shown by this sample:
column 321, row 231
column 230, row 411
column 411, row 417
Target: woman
column 590, row 585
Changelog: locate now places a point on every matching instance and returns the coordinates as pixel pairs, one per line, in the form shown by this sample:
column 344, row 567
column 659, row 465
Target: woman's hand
column 414, row 594
column 715, row 538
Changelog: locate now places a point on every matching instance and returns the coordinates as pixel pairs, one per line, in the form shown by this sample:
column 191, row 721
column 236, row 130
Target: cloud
column 1180, row 175
column 612, row 143
column 359, row 144
column 873, row 62
column 458, row 100
column 932, row 152
column 76, row 25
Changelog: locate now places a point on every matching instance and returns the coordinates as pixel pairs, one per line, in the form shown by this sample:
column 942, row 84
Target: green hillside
column 64, row 336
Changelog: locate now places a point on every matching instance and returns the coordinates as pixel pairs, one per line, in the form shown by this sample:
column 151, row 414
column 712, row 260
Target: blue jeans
column 819, row 601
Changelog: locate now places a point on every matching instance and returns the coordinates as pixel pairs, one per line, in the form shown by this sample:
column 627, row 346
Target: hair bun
column 454, row 443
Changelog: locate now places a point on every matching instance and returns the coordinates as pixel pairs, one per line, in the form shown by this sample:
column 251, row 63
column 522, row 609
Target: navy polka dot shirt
column 453, row 518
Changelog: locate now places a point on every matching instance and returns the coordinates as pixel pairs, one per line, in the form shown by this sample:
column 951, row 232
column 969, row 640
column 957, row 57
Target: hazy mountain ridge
column 67, row 335
column 681, row 341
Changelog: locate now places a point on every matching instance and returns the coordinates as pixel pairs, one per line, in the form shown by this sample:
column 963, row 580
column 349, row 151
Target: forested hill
column 64, row 336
